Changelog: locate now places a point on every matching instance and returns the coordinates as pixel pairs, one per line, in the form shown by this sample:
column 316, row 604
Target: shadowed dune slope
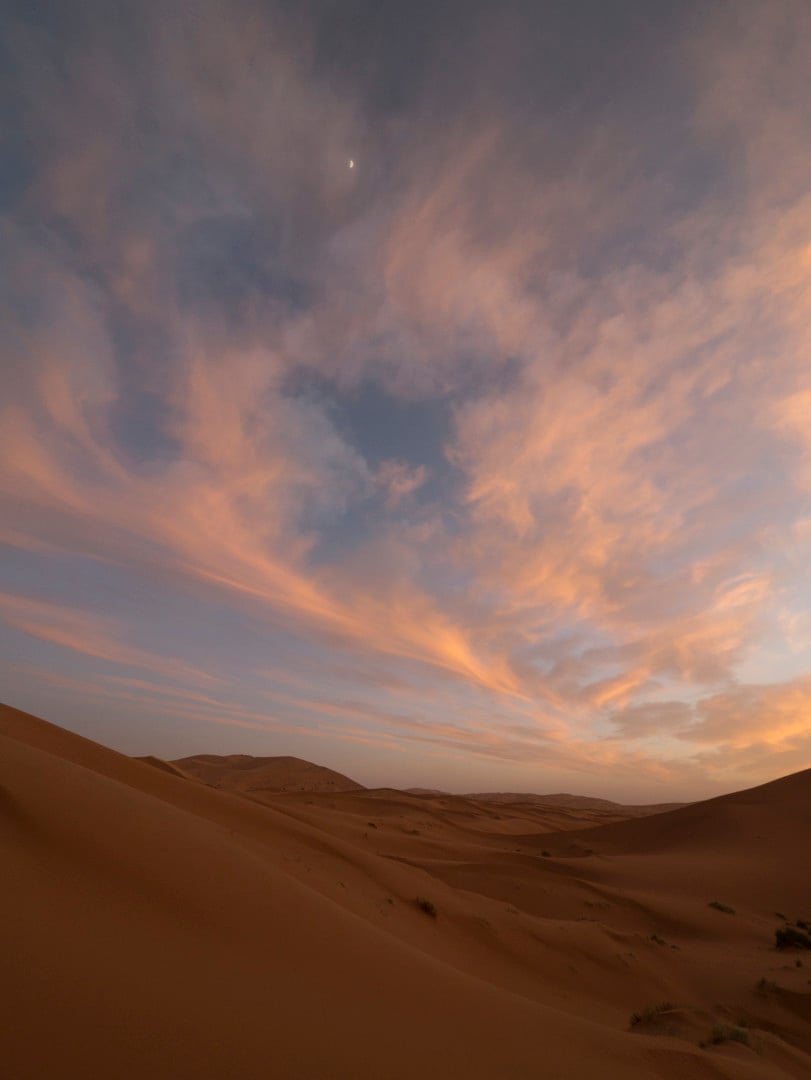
column 775, row 812
column 745, row 850
column 154, row 927
column 164, row 766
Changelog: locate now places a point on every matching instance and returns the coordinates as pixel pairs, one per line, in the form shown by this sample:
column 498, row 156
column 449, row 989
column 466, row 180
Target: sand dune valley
column 249, row 917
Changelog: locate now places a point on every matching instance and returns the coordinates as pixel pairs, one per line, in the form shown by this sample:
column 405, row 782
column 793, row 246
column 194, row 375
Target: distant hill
column 247, row 775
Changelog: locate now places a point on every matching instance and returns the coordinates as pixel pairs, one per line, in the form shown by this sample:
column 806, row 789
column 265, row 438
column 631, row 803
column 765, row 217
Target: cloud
column 616, row 328
column 93, row 636
column 397, row 480
column 747, row 717
column 791, row 417
column 654, row 718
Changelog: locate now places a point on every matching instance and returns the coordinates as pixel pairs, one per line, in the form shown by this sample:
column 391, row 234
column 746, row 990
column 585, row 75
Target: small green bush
column 727, row 910
column 789, row 937
column 651, row 1012
column 427, row 906
column 722, row 1033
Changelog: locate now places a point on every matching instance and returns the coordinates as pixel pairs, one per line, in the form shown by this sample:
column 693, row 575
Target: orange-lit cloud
column 397, row 480
column 604, row 539
column 93, row 636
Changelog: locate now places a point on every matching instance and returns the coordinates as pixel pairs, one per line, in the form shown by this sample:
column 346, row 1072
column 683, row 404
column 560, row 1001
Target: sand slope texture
column 241, row 772
column 154, row 926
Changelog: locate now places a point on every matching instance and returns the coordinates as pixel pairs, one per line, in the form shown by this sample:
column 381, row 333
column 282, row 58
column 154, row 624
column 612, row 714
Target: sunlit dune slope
column 145, row 940
column 151, row 926
column 241, row 772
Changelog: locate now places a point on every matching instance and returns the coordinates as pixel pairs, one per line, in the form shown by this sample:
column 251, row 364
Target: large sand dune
column 155, row 927
column 244, row 773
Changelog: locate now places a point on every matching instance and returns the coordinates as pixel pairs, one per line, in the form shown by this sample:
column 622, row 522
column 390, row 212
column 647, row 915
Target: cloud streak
column 590, row 533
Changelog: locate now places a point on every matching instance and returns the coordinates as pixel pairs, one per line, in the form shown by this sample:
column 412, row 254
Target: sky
column 422, row 389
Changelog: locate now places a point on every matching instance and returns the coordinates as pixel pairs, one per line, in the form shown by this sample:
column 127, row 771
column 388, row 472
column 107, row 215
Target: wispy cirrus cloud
column 97, row 637
column 595, row 302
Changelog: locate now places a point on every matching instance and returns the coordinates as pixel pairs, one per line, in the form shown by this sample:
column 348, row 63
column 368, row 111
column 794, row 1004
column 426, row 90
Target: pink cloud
column 397, row 480
column 629, row 438
column 93, row 636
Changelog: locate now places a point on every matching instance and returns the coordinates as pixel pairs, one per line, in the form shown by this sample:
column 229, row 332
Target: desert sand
column 156, row 926
column 246, row 774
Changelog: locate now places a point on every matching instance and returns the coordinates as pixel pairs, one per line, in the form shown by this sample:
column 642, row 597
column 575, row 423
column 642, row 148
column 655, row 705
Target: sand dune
column 247, row 774
column 164, row 766
column 155, row 927
column 762, row 812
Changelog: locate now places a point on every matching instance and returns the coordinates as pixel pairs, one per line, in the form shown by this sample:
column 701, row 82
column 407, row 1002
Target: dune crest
column 247, row 774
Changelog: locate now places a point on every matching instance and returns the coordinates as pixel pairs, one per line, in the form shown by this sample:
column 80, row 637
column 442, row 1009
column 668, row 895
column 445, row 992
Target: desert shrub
column 427, row 906
column 764, row 985
column 789, row 937
column 651, row 1012
column 547, row 854
column 727, row 910
column 657, row 940
column 804, row 924
column 722, row 1033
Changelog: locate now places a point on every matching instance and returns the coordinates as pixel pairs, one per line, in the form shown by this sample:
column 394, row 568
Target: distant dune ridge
column 244, row 773
column 155, row 926
column 573, row 802
column 164, row 766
